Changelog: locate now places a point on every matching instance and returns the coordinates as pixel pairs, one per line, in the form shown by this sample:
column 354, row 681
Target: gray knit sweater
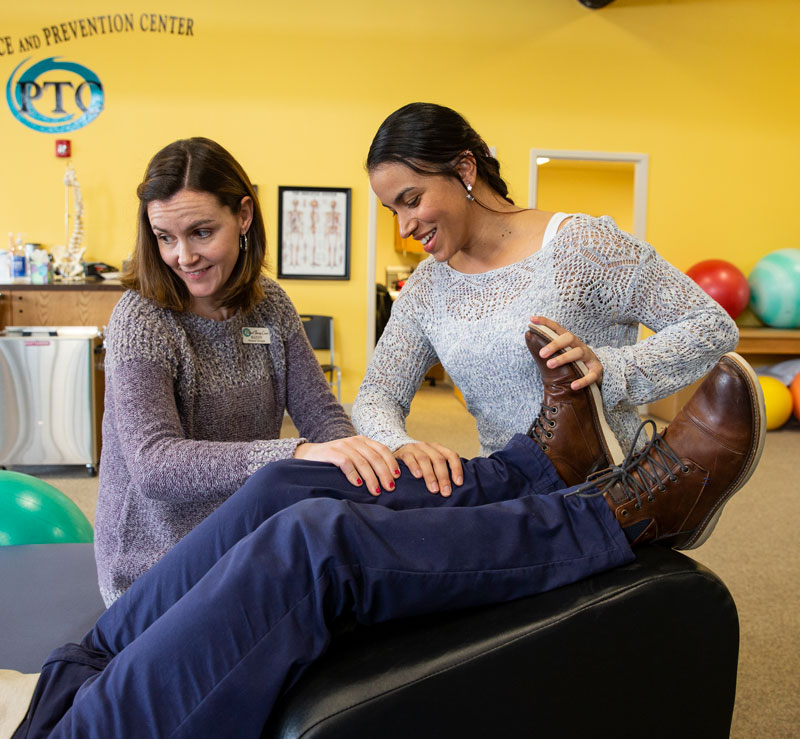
column 592, row 278
column 191, row 411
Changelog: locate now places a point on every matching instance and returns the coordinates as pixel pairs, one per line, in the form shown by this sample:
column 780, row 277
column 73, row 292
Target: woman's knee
column 273, row 480
column 283, row 483
column 284, row 473
column 279, row 472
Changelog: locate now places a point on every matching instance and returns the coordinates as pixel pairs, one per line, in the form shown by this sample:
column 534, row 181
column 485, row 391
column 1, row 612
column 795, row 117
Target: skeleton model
column 68, row 261
column 333, row 236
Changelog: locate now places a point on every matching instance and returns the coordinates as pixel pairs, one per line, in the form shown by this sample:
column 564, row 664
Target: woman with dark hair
column 494, row 267
column 204, row 355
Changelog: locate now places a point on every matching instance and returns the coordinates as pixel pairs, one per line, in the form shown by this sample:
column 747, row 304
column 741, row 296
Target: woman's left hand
column 576, row 351
column 362, row 460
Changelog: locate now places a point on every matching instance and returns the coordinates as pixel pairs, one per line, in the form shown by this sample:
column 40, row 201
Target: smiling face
column 433, row 209
column 198, row 239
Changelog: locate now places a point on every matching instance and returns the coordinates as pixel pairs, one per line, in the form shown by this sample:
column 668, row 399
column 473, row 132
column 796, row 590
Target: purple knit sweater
column 191, row 411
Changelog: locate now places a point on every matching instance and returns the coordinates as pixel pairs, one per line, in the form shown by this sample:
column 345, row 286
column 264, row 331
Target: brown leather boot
column 571, row 428
column 672, row 491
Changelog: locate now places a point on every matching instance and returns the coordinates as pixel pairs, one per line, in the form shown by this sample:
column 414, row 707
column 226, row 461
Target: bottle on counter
column 29, row 249
column 5, row 266
column 19, row 271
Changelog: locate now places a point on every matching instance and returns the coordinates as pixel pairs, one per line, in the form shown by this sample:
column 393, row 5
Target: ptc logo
column 54, row 96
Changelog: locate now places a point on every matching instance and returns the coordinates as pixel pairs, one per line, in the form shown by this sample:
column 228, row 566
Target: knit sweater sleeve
column 627, row 280
column 148, row 362
column 402, row 357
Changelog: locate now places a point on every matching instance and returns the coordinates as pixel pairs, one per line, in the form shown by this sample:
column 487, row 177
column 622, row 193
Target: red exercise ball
column 724, row 282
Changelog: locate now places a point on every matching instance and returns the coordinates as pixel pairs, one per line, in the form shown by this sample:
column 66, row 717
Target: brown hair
column 201, row 165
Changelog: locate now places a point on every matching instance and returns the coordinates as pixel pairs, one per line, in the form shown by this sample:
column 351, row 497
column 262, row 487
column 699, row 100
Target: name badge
column 255, row 335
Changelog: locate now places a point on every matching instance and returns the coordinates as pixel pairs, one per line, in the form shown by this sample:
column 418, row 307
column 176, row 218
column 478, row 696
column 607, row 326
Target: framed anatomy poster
column 314, row 233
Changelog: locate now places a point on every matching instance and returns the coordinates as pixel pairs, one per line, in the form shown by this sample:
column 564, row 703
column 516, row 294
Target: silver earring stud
column 243, row 242
column 469, row 192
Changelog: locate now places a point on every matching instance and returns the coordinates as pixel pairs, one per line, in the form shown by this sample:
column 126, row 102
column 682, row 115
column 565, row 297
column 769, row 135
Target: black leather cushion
column 646, row 650
column 48, row 597
column 649, row 649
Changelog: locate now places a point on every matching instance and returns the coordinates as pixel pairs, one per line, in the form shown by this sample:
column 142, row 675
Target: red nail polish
column 397, row 472
column 391, row 486
column 378, row 491
column 358, row 481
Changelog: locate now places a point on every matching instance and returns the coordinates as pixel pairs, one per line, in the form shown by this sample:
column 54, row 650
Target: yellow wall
column 708, row 88
column 596, row 188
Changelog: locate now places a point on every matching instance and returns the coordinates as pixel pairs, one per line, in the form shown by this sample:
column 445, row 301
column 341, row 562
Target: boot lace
column 540, row 428
column 641, row 472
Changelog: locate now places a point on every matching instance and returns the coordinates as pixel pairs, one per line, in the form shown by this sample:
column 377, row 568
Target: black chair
column 649, row 649
column 319, row 330
column 383, row 309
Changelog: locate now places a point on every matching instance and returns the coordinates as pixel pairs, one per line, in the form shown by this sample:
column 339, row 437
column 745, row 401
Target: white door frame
column 641, row 164
column 372, row 248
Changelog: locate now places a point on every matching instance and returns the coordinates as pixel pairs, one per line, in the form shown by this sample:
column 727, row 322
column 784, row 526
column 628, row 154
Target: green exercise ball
column 775, row 288
column 34, row 512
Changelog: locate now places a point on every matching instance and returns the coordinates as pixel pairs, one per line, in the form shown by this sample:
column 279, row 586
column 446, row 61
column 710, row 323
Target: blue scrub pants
column 205, row 642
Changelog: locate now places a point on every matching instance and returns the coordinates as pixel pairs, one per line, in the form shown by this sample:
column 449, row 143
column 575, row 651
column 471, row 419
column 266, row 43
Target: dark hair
column 432, row 139
column 201, row 165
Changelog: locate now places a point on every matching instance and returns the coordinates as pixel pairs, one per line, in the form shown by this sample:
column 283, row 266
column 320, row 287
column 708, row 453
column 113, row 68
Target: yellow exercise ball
column 777, row 400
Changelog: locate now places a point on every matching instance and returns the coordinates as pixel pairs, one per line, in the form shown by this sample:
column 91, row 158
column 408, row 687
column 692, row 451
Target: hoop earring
column 470, row 196
column 243, row 242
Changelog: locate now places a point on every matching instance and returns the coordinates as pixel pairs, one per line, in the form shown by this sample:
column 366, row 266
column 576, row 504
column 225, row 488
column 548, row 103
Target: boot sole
column 607, row 438
column 759, row 422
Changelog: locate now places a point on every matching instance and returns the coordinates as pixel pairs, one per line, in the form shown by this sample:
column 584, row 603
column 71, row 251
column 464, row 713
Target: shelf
column 407, row 245
column 91, row 285
column 768, row 341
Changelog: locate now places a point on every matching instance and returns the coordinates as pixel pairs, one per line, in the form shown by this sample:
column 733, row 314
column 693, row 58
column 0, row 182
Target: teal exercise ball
column 34, row 512
column 775, row 288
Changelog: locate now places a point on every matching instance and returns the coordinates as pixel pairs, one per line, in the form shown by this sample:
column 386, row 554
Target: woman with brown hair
column 204, row 356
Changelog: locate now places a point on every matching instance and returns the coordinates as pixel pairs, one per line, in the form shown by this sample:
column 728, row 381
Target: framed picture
column 314, row 233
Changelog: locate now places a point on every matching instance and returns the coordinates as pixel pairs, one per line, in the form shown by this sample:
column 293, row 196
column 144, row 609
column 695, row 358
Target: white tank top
column 552, row 227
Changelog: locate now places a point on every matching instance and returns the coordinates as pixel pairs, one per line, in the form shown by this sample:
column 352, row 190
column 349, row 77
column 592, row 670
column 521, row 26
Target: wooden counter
column 85, row 303
column 769, row 341
column 758, row 345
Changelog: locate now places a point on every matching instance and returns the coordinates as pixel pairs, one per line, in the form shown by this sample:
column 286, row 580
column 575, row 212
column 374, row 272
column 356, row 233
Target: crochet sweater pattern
column 592, row 278
column 191, row 411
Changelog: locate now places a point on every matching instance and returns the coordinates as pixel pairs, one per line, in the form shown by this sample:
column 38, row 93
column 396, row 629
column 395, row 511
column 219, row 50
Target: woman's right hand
column 362, row 460
column 435, row 463
column 574, row 350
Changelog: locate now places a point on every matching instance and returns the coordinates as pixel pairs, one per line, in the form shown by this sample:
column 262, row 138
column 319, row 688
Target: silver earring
column 243, row 242
column 469, row 192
